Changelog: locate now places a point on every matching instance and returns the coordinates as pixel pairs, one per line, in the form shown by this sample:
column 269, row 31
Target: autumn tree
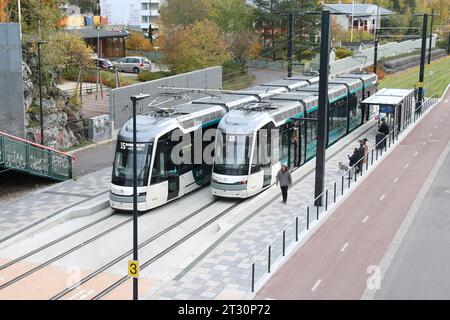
column 38, row 16
column 197, row 46
column 137, row 41
column 184, row 12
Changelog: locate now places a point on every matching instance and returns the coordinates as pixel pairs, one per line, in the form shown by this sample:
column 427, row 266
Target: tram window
column 123, row 167
column 159, row 172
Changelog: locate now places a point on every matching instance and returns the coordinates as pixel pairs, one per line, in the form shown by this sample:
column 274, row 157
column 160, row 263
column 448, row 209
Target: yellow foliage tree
column 3, row 13
column 137, row 41
column 197, row 46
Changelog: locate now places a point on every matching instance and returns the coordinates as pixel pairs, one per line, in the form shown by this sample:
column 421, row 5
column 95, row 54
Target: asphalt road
column 94, row 159
column 342, row 258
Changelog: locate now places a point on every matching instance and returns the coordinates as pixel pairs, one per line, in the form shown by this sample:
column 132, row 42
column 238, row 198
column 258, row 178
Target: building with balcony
column 135, row 14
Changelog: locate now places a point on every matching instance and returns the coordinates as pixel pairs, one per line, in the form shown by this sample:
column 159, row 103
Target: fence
column 22, row 155
column 276, row 249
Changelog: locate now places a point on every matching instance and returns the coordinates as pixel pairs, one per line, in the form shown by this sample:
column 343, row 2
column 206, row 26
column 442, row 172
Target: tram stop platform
column 237, row 261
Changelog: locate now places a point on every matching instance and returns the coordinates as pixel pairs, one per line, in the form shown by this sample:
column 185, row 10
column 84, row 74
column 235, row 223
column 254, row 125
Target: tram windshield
column 123, row 164
column 232, row 154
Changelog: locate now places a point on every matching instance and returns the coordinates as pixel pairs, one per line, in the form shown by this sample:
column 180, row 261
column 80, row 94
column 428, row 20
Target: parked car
column 132, row 64
column 104, row 64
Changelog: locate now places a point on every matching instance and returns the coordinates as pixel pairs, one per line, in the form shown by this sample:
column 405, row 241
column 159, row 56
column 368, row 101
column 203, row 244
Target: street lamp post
column 431, row 36
column 422, row 60
column 39, row 43
column 135, row 99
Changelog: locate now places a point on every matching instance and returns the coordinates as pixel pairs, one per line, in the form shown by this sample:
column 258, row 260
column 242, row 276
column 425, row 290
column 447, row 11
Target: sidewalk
column 224, row 270
column 30, row 210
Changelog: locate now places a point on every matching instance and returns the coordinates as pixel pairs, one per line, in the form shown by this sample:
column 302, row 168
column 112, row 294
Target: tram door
column 263, row 146
column 297, row 145
column 172, row 171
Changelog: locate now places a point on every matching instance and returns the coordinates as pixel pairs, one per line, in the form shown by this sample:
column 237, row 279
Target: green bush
column 342, row 52
column 231, row 69
column 149, row 76
column 306, row 54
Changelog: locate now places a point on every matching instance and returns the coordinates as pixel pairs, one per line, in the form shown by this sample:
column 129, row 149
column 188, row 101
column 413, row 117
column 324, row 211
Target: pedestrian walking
column 285, row 179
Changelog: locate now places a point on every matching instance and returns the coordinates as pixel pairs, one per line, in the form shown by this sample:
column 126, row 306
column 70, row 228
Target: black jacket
column 384, row 129
column 354, row 159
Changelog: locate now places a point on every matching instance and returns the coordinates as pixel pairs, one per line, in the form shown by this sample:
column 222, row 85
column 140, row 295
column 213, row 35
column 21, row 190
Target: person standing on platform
column 285, row 179
column 353, row 160
column 384, row 127
column 362, row 154
column 366, row 150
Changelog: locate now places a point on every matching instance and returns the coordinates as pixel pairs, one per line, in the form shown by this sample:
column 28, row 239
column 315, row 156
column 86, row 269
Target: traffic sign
column 133, row 268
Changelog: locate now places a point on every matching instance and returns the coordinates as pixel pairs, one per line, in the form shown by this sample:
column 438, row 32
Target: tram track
column 92, row 239
column 48, row 245
column 143, row 244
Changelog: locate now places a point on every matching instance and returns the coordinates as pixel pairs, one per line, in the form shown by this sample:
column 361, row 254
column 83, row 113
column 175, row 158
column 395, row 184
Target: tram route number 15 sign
column 133, row 268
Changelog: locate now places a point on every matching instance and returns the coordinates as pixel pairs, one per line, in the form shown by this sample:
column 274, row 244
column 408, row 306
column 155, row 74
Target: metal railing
column 26, row 156
column 276, row 249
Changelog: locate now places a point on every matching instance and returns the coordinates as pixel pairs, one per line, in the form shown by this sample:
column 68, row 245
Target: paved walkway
column 344, row 256
column 224, row 271
column 41, row 205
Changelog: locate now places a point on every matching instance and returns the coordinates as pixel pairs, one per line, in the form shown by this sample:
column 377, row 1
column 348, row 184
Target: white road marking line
column 365, row 219
column 382, row 197
column 82, row 295
column 344, row 247
column 416, row 153
column 406, row 165
column 435, row 127
column 424, row 143
column 316, row 285
column 442, row 120
column 430, row 134
column 269, row 299
column 446, row 100
column 396, row 179
column 2, row 278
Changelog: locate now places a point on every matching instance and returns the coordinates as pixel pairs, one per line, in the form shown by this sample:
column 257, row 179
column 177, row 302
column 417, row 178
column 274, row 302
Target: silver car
column 132, row 64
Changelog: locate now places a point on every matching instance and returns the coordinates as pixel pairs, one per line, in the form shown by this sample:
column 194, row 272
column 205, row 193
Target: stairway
column 32, row 158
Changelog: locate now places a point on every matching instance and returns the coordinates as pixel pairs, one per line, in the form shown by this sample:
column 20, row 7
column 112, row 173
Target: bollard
column 367, row 162
column 326, row 200
column 284, row 242
column 377, row 155
column 268, row 264
column 317, row 212
column 307, row 218
column 253, row 277
column 335, row 192
column 349, row 178
column 356, row 176
column 371, row 161
column 342, row 186
column 296, row 228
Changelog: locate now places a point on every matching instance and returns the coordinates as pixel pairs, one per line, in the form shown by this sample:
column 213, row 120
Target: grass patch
column 406, row 79
column 239, row 83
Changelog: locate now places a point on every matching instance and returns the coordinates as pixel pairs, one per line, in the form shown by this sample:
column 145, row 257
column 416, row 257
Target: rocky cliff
column 63, row 123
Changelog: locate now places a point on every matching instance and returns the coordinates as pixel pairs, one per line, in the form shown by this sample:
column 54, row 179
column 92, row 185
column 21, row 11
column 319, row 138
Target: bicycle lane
column 339, row 259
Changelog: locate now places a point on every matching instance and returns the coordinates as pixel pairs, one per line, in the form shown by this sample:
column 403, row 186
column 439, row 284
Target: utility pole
column 133, row 266
column 323, row 106
column 422, row 60
column 431, row 36
column 375, row 53
column 290, row 31
column 40, row 93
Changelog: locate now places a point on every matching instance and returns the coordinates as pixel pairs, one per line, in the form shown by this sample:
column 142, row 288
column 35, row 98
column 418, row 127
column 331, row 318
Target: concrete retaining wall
column 121, row 108
column 12, row 113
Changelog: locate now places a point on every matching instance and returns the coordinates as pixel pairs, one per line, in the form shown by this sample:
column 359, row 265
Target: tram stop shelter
column 395, row 105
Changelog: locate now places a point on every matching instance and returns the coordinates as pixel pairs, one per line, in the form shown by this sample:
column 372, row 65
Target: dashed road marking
column 416, row 153
column 406, row 165
column 316, row 285
column 395, row 180
column 424, row 143
column 446, row 100
column 344, row 247
column 82, row 295
column 382, row 197
column 430, row 134
column 435, row 127
column 442, row 120
column 365, row 219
